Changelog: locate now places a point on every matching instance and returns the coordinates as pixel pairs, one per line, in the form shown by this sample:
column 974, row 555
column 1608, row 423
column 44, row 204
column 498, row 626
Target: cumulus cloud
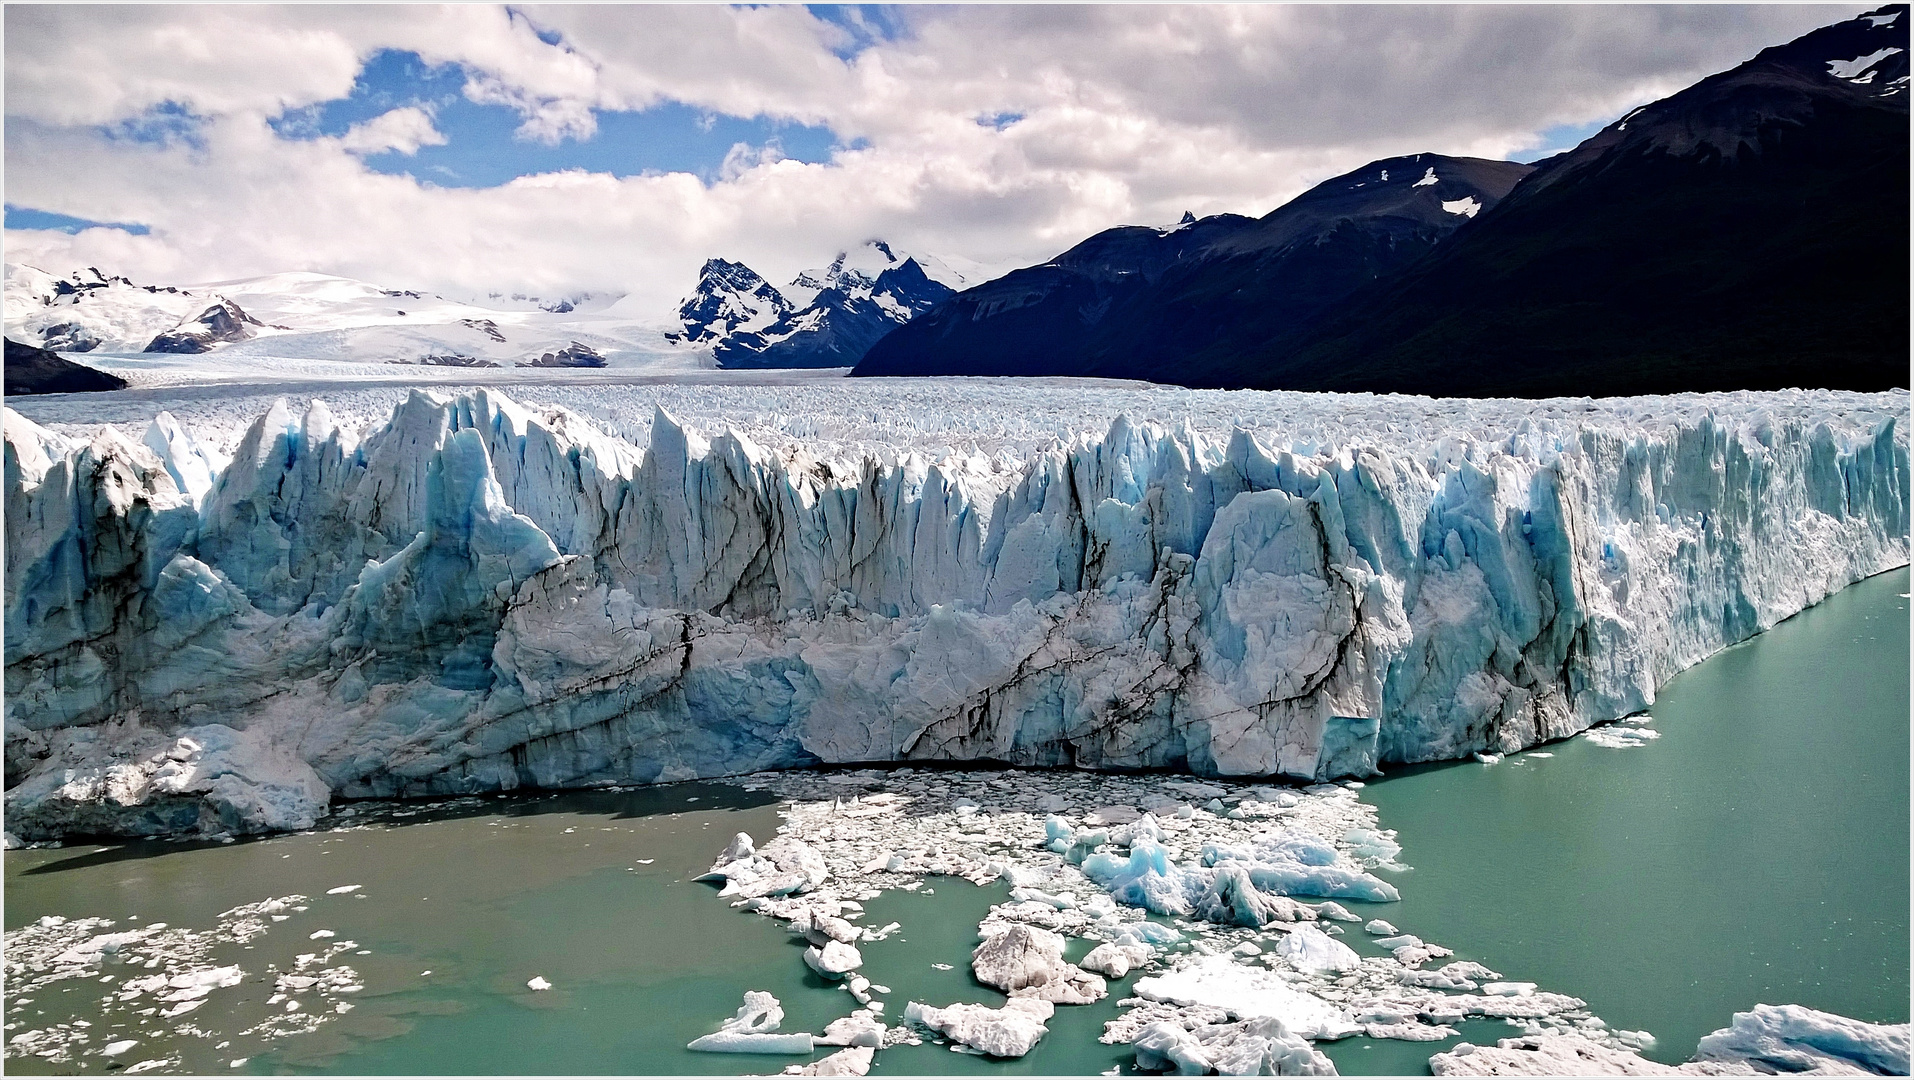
column 402, row 130
column 1127, row 114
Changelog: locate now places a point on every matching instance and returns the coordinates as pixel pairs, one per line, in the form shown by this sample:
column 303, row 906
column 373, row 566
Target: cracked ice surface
column 213, row 635
column 1204, row 974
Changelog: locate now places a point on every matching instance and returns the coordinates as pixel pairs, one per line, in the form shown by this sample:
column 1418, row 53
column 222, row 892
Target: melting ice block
column 739, row 1042
column 1027, row 961
column 1009, row 1032
column 1247, row 993
column 1263, row 1046
column 1791, row 1039
column 1309, row 949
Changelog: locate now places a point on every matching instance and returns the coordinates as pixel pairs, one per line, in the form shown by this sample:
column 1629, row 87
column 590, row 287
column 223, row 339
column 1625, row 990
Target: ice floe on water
column 1767, row 1040
column 1238, row 973
column 151, row 977
column 1623, row 736
column 1197, row 886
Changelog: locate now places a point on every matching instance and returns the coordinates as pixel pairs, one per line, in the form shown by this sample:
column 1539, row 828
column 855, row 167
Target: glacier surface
column 470, row 594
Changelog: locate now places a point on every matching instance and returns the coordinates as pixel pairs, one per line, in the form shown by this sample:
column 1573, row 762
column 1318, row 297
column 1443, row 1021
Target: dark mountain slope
column 1750, row 232
column 33, row 370
column 1136, row 302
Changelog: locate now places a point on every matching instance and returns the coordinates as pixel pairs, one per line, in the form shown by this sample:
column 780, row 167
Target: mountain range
column 1748, row 232
column 823, row 318
column 732, row 318
column 1136, row 302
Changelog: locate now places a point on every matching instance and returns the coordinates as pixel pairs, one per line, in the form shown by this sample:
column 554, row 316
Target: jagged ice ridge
column 479, row 595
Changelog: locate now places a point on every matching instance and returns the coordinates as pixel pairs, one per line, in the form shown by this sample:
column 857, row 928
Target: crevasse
column 479, row 596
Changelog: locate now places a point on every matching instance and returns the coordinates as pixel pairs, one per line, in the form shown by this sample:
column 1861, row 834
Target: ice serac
column 477, row 595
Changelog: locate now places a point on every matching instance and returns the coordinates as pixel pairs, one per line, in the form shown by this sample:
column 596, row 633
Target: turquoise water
column 1758, row 851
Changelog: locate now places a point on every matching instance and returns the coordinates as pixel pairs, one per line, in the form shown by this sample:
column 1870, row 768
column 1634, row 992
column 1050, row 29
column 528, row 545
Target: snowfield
column 220, row 617
column 318, row 325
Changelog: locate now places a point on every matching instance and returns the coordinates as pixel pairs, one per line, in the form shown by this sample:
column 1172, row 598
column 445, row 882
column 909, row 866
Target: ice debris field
column 216, row 626
column 1193, row 883
column 1185, row 889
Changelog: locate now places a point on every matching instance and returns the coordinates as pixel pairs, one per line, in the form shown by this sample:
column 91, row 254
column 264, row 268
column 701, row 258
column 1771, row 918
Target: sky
column 559, row 150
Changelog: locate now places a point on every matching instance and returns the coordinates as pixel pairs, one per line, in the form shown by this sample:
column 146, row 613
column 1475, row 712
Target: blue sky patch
column 866, row 24
column 20, row 217
column 482, row 149
column 999, row 121
column 163, row 124
column 1559, row 138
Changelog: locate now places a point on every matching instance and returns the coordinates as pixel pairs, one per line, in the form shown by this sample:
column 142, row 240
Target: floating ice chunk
column 1296, row 879
column 1461, row 975
column 833, row 960
column 1618, row 737
column 1234, row 900
column 1508, row 989
column 1370, row 844
column 539, row 982
column 854, row 1061
column 738, row 1042
column 317, row 935
column 1545, row 1055
column 738, row 849
column 1409, row 1031
column 1244, row 992
column 1167, row 1047
column 1146, row 879
column 761, row 1012
column 1116, row 961
column 1331, row 910
column 1009, row 1032
column 1792, row 1038
column 1259, row 1046
column 1060, row 901
column 1489, row 759
column 115, row 1049
column 1309, row 949
column 857, row 1029
column 343, row 889
column 1378, row 927
column 1399, row 940
column 1145, row 933
column 1027, row 961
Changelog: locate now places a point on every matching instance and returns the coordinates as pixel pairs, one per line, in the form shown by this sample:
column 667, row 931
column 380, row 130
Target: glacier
column 471, row 594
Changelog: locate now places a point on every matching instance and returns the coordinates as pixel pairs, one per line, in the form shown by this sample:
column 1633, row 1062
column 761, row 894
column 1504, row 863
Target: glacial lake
column 1757, row 851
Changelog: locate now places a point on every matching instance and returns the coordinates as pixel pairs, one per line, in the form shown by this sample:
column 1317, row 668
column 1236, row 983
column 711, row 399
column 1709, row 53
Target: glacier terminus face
column 472, row 594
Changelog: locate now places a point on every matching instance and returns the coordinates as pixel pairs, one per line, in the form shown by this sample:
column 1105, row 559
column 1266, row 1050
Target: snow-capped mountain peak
column 259, row 323
column 825, row 317
column 90, row 309
column 730, row 298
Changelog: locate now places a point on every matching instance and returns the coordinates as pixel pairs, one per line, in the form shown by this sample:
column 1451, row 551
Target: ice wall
column 478, row 595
